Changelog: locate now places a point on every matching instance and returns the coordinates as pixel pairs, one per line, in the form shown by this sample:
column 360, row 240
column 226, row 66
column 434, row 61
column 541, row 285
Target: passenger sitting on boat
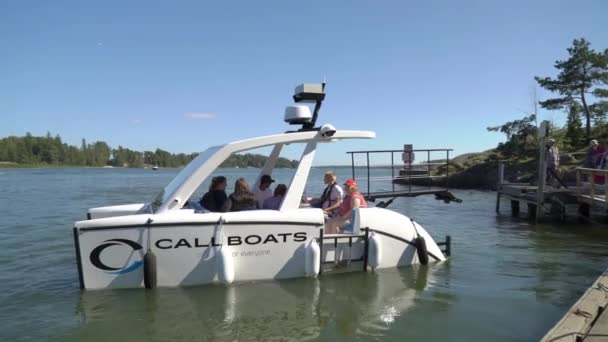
column 241, row 198
column 216, row 197
column 274, row 202
column 331, row 198
column 352, row 200
column 263, row 191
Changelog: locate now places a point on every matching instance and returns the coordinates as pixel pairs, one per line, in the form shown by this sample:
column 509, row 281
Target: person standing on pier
column 593, row 155
column 552, row 158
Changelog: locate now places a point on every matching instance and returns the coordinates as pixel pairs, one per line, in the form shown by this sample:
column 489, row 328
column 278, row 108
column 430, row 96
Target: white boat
column 162, row 243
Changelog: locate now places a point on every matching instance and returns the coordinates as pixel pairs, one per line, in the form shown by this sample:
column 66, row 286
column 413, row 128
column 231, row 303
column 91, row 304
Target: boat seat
column 355, row 223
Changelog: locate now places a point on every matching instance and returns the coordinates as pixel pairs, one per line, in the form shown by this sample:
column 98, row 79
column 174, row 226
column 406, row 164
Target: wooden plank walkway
column 587, row 319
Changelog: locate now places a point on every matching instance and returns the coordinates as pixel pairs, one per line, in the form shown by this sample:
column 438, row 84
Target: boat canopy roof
column 179, row 190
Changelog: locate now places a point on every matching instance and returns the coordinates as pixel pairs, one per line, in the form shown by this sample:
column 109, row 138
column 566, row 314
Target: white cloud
column 136, row 121
column 200, row 116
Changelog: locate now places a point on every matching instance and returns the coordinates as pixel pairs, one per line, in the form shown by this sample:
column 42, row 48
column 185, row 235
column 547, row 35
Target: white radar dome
column 298, row 115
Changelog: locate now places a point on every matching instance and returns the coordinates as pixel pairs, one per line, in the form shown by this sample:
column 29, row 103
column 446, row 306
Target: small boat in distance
column 166, row 242
column 155, row 167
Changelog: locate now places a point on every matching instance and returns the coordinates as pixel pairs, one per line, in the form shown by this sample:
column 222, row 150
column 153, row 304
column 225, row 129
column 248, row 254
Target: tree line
column 581, row 92
column 51, row 150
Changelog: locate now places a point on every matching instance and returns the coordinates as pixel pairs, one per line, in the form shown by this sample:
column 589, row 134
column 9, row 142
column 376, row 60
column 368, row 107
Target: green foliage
column 48, row 150
column 256, row 160
column 520, row 136
column 579, row 80
column 574, row 132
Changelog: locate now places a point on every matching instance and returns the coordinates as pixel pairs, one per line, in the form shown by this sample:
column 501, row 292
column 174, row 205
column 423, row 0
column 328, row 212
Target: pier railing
column 597, row 190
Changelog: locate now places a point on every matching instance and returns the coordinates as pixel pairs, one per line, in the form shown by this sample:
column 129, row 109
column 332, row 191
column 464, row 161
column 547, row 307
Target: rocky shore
column 480, row 171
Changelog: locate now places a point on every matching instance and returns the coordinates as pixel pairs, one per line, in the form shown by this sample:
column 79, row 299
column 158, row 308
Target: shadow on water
column 300, row 309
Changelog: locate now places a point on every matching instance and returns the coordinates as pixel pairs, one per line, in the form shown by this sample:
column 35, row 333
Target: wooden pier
column 580, row 199
column 587, row 319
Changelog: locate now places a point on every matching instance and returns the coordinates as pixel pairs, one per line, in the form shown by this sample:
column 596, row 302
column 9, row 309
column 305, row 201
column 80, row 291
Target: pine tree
column 574, row 132
column 578, row 81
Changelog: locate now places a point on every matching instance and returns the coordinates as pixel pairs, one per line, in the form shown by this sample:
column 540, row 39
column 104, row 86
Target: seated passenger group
column 336, row 207
column 216, row 200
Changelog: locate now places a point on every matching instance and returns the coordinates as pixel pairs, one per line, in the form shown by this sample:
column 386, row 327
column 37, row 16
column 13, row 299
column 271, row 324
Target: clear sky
column 185, row 75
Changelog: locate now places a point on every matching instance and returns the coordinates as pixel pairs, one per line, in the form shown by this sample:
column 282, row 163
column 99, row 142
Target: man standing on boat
column 262, row 192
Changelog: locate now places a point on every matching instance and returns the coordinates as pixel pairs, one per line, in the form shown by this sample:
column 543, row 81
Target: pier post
column 498, row 201
column 501, row 172
column 514, row 208
column 542, row 169
column 533, row 211
column 501, row 177
column 584, row 209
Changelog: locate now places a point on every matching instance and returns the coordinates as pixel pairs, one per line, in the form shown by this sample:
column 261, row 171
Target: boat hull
column 193, row 249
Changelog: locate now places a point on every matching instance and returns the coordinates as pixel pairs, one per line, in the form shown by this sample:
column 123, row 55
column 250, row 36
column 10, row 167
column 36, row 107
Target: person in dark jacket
column 215, row 199
column 593, row 155
column 242, row 198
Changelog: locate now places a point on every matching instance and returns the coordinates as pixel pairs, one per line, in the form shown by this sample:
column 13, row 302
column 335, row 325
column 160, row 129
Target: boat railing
column 364, row 235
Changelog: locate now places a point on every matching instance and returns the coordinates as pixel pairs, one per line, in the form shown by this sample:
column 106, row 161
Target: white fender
column 313, row 258
column 374, row 256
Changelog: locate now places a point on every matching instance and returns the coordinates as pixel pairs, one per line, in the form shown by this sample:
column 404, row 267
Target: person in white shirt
column 332, row 196
column 263, row 191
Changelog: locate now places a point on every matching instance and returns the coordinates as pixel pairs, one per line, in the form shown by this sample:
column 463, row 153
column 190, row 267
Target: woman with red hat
column 352, row 200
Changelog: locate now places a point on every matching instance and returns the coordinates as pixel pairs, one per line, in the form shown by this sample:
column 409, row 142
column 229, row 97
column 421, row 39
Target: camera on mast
column 300, row 113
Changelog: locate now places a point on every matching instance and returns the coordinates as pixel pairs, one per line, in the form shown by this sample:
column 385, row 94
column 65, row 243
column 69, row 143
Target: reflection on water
column 356, row 304
column 507, row 280
column 360, row 304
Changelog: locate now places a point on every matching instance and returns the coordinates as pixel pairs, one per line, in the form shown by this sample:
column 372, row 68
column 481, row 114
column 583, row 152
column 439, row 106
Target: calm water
column 506, row 281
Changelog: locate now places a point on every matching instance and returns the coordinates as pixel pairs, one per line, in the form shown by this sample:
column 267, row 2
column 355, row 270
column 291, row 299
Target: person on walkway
column 593, row 155
column 331, row 198
column 216, row 197
column 552, row 161
column 263, row 191
column 275, row 201
column 242, row 198
column 352, row 200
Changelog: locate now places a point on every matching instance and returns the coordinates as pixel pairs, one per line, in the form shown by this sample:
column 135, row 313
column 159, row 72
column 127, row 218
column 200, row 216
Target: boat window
column 182, row 176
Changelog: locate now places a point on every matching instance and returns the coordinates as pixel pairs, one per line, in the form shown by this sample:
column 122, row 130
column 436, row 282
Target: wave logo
column 96, row 254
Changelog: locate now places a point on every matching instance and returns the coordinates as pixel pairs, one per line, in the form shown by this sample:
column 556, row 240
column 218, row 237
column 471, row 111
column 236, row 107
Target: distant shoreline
column 11, row 165
column 5, row 165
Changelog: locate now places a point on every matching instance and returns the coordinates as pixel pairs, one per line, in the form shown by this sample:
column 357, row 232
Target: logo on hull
column 95, row 256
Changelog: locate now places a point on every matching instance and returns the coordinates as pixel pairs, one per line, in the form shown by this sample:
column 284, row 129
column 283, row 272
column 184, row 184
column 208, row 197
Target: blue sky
column 185, row 75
